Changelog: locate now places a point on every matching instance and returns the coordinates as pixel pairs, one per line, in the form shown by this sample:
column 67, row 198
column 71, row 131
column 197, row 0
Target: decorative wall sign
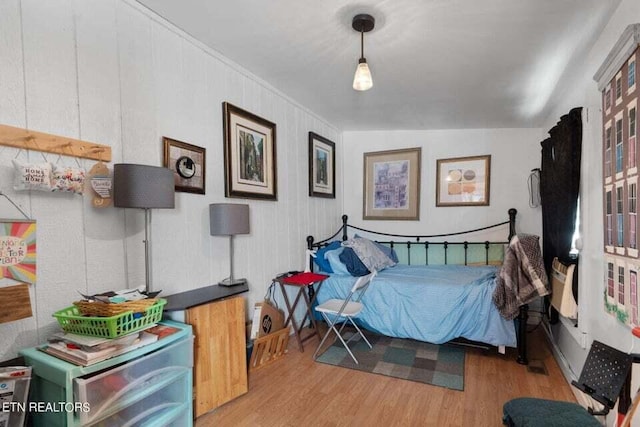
column 617, row 80
column 250, row 169
column 463, row 181
column 18, row 250
column 100, row 182
column 322, row 171
column 392, row 184
column 188, row 164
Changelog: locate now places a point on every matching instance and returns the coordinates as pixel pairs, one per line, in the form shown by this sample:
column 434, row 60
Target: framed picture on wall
column 463, row 181
column 249, row 155
column 392, row 184
column 187, row 163
column 322, row 171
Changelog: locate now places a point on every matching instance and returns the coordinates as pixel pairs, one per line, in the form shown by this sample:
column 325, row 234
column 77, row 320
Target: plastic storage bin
column 72, row 320
column 54, row 380
column 168, row 400
column 108, row 392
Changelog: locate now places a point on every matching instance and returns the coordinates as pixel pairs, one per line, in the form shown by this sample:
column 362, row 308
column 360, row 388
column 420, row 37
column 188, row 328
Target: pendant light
column 363, row 23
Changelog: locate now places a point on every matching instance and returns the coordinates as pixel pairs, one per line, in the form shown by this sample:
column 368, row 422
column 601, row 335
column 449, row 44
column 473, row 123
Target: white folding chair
column 343, row 310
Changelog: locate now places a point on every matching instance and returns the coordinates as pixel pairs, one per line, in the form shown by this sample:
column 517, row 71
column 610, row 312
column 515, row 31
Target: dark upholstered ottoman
column 530, row 412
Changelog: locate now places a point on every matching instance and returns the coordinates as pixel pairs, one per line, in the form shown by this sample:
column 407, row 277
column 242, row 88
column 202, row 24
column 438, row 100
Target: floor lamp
column 229, row 219
column 143, row 187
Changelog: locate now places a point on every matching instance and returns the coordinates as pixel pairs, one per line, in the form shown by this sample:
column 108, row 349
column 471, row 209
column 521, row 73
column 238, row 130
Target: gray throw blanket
column 522, row 277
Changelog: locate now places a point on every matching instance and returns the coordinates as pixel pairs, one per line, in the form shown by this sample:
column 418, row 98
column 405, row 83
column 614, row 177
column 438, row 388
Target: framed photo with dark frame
column 392, row 184
column 188, row 163
column 322, row 169
column 463, row 181
column 250, row 169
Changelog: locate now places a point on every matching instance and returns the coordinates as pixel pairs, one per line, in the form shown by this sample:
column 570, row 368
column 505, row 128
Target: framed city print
column 250, row 169
column 392, row 184
column 322, row 171
column 463, row 181
column 187, row 163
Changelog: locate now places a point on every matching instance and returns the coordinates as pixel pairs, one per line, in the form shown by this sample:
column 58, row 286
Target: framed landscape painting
column 250, row 170
column 322, row 171
column 463, row 181
column 392, row 184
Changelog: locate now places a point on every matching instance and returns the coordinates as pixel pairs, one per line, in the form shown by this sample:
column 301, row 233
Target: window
column 619, row 216
column 632, row 138
column 633, row 200
column 610, row 286
column 607, row 152
column 618, row 146
column 609, row 219
column 633, row 290
column 618, row 88
column 607, row 98
column 632, row 74
column 621, row 285
column 574, row 251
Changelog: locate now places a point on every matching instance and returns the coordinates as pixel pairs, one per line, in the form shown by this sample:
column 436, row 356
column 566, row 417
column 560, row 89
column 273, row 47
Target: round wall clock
column 186, row 167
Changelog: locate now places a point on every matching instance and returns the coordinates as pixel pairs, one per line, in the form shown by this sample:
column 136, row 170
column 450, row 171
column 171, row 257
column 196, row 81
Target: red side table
column 302, row 281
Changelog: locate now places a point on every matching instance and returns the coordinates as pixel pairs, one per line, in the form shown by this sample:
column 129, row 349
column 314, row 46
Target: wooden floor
column 296, row 391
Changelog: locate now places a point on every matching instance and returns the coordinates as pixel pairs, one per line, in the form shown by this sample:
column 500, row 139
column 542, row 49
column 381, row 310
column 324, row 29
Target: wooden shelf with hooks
column 40, row 141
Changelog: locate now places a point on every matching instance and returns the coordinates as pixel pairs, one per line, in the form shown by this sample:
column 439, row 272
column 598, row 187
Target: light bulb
column 362, row 79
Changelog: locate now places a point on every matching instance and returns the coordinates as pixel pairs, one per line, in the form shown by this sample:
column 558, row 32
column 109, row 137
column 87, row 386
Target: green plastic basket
column 71, row 320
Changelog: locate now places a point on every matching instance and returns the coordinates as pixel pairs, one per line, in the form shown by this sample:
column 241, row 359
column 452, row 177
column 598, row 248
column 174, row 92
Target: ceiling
column 436, row 64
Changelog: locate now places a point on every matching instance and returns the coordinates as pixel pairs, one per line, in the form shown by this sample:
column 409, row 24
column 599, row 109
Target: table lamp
column 229, row 219
column 143, row 187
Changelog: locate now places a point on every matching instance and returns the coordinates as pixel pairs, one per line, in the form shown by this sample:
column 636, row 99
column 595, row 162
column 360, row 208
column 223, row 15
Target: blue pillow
column 353, row 263
column 320, row 259
column 337, row 266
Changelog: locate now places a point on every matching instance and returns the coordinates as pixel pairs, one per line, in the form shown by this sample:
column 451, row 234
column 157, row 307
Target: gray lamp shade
column 228, row 219
column 142, row 186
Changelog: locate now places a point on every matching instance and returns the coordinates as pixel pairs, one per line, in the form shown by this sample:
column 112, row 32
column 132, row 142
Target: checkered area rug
column 440, row 365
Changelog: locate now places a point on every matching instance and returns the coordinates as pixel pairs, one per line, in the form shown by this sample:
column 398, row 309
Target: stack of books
column 86, row 350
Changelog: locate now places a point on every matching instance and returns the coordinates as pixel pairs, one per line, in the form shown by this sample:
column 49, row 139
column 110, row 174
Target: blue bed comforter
column 429, row 303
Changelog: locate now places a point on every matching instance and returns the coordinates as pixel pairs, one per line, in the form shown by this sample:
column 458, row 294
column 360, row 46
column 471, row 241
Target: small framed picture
column 392, row 184
column 187, row 163
column 463, row 181
column 250, row 169
column 322, row 171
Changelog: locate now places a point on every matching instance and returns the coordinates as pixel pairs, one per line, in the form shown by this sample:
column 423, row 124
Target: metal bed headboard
column 414, row 240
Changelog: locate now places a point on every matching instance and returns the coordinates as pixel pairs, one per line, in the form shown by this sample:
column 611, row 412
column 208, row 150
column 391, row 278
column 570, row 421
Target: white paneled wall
column 514, row 152
column 114, row 73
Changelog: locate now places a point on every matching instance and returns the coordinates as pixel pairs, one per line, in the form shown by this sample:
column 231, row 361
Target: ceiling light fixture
column 363, row 23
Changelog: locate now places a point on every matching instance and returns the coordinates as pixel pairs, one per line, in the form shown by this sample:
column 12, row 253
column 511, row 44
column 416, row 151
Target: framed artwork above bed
column 392, row 184
column 463, row 181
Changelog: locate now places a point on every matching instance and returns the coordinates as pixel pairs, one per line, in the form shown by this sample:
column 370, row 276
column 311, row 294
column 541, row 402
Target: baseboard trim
column 583, row 400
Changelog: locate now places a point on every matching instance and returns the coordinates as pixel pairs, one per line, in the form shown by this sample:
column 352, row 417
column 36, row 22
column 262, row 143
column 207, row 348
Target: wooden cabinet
column 217, row 316
column 220, row 351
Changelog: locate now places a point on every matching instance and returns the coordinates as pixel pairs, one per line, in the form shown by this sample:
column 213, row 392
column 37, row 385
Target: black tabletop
column 200, row 296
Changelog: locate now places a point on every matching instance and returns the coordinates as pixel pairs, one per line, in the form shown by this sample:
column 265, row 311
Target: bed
column 439, row 291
